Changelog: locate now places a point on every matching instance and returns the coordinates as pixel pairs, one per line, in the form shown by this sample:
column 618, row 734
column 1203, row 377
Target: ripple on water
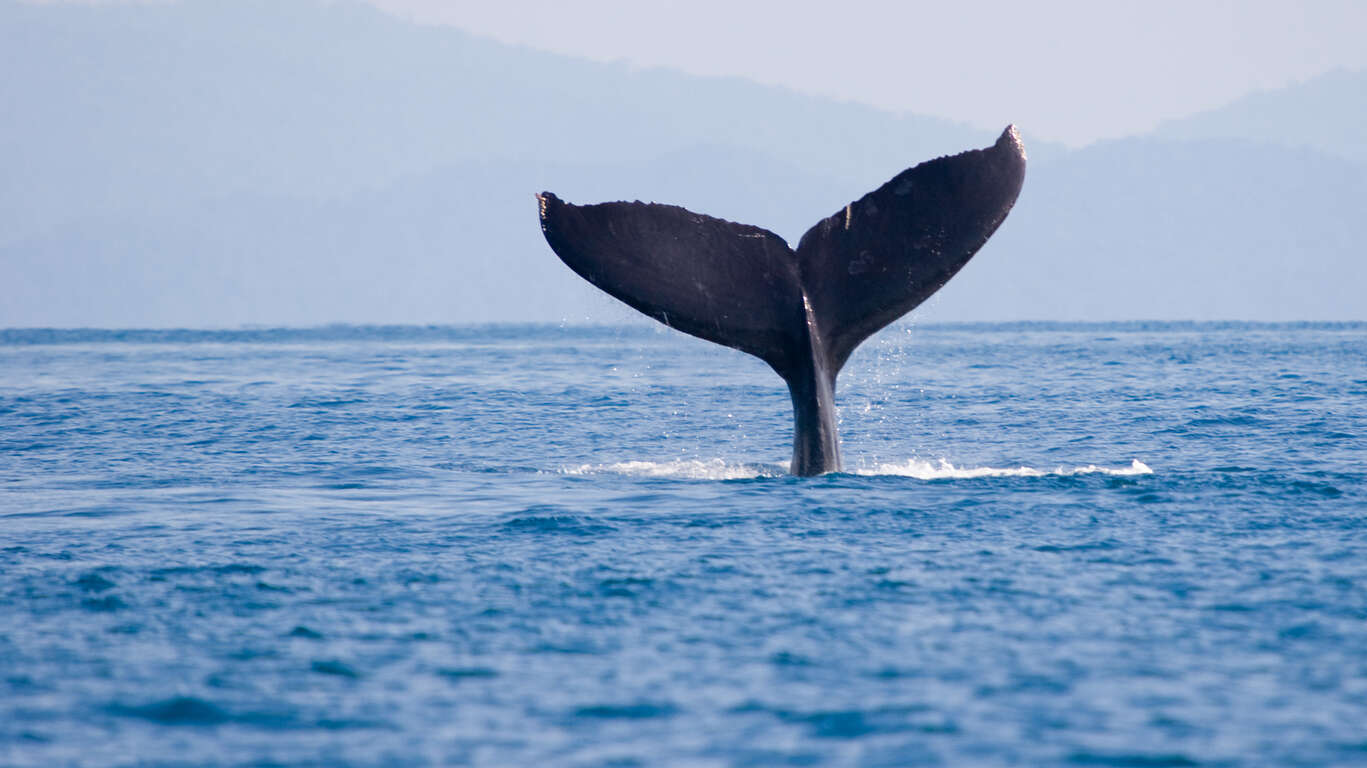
column 574, row 525
column 177, row 710
column 634, row 711
column 468, row 673
column 335, row 668
column 857, row 723
column 1132, row 759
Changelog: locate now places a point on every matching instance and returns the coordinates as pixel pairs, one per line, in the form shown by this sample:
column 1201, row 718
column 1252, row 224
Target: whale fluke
column 803, row 312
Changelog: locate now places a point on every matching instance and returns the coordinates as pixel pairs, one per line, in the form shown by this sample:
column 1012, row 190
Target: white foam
column 717, row 469
column 694, row 469
column 942, row 469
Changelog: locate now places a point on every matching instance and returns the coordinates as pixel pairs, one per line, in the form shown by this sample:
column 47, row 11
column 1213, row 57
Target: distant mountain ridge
column 319, row 101
column 230, row 162
column 1326, row 113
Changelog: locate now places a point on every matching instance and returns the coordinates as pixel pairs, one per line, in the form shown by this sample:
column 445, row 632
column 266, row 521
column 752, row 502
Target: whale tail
column 802, row 311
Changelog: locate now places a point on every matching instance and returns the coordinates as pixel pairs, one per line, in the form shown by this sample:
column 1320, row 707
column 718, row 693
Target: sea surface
column 1076, row 545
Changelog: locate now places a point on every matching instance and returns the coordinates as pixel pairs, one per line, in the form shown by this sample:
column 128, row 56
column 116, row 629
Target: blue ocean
column 1077, row 545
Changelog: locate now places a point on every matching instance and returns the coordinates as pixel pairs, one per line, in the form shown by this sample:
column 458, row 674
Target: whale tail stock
column 802, row 311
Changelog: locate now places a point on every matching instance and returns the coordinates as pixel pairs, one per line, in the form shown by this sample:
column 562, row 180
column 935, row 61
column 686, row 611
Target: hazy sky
column 1069, row 70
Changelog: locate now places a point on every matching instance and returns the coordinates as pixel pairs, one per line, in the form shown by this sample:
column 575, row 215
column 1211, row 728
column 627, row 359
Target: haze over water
column 1121, row 544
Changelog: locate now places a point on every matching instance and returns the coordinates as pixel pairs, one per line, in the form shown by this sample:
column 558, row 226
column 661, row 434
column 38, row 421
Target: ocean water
column 1096, row 545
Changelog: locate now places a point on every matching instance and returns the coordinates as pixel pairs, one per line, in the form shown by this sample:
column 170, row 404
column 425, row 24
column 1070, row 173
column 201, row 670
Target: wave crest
column 694, row 469
column 921, row 469
column 942, row 469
